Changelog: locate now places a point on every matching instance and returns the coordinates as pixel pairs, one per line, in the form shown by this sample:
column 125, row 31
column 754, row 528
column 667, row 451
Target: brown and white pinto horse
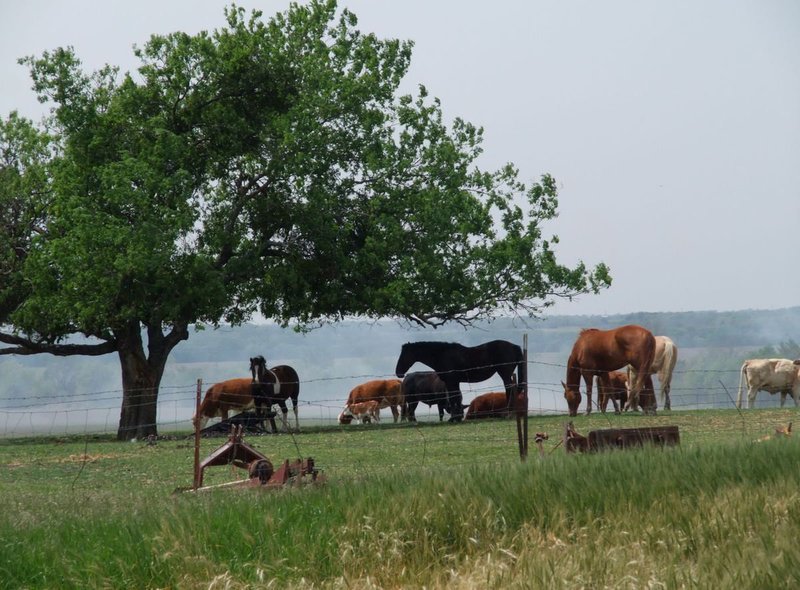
column 275, row 386
column 386, row 393
column 598, row 351
column 663, row 365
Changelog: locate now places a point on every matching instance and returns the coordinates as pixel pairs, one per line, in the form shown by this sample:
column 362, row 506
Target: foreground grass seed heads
column 436, row 506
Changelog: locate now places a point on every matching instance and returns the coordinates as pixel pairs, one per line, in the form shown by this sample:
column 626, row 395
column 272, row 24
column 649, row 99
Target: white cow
column 663, row 365
column 771, row 375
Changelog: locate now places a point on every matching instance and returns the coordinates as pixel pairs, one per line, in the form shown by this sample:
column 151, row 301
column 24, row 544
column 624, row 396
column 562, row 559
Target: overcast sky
column 672, row 128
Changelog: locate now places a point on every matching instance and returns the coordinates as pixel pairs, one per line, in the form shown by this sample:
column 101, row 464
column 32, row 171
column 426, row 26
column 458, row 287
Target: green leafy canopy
column 269, row 166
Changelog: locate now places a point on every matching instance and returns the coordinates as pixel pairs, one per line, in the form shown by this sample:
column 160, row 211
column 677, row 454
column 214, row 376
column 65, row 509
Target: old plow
column 262, row 474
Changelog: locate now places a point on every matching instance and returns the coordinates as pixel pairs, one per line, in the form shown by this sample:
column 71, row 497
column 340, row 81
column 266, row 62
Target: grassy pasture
column 434, row 505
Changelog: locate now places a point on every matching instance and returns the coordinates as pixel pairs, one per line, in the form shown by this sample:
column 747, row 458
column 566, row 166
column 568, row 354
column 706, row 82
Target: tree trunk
column 137, row 418
column 141, row 377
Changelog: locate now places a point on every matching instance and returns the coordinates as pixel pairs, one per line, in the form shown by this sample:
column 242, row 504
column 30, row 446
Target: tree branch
column 24, row 346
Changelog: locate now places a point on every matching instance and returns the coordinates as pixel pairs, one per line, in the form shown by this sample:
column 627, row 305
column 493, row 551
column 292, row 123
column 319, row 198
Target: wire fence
column 98, row 412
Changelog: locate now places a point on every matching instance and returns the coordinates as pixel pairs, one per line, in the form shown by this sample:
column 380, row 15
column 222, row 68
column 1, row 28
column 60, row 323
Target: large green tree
column 270, row 166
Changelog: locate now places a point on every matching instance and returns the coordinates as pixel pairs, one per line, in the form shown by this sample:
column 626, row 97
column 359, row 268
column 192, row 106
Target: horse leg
column 410, row 409
column 284, row 415
column 395, row 412
column 454, row 399
column 638, row 376
column 271, row 415
column 588, row 378
column 296, row 416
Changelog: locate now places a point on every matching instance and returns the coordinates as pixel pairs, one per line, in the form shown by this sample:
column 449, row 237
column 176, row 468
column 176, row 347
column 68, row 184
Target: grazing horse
column 455, row 363
column 275, row 386
column 425, row 387
column 663, row 365
column 598, row 351
column 386, row 393
column 222, row 397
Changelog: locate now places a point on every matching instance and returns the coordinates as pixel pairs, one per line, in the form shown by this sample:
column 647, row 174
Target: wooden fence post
column 197, row 436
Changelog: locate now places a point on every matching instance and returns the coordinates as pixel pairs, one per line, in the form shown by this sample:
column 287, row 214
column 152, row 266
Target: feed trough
column 619, row 438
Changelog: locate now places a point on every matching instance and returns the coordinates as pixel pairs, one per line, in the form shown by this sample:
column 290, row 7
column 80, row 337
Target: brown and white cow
column 386, row 393
column 770, row 375
column 365, row 412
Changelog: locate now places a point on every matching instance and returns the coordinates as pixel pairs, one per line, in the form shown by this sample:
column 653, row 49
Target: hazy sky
column 672, row 128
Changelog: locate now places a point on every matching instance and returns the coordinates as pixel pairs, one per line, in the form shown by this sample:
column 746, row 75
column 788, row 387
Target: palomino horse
column 386, row 393
column 275, row 386
column 663, row 365
column 456, row 364
column 598, row 351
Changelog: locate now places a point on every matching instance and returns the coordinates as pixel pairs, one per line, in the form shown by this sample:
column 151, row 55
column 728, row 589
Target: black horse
column 275, row 386
column 455, row 363
column 425, row 387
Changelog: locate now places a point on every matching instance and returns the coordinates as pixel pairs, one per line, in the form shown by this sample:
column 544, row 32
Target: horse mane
column 584, row 330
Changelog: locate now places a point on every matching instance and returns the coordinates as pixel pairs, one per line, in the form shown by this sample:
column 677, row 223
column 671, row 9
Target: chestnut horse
column 455, row 363
column 275, row 386
column 598, row 351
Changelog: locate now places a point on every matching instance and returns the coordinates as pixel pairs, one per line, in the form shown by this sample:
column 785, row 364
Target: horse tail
column 742, row 378
column 643, row 371
column 667, row 366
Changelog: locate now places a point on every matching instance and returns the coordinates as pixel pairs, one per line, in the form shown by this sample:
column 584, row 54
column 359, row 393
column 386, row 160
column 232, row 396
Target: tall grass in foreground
column 719, row 517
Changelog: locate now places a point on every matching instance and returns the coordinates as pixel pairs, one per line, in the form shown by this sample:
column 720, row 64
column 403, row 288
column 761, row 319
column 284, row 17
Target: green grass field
column 434, row 505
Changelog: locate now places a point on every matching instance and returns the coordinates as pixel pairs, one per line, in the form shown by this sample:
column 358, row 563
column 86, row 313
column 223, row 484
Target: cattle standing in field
column 222, row 397
column 425, row 387
column 491, row 405
column 664, row 361
column 599, row 351
column 455, row 364
column 366, row 412
column 770, row 375
column 386, row 393
column 275, row 386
